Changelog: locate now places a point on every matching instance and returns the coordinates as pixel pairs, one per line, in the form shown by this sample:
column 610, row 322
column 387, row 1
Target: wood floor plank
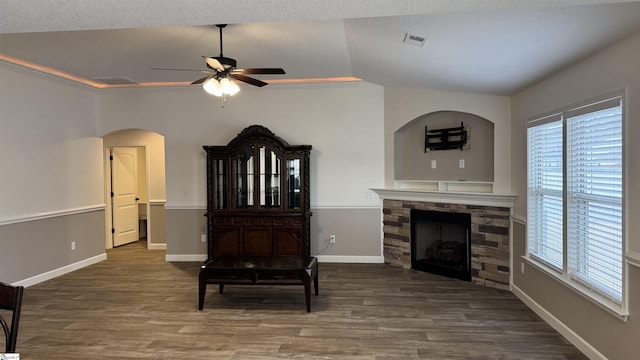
column 135, row 305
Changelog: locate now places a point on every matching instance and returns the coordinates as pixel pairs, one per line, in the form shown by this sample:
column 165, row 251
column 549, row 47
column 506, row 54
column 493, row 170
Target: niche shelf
column 445, row 186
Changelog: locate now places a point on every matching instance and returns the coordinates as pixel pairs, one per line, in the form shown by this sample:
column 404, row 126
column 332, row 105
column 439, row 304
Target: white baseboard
column 61, row 271
column 156, row 246
column 575, row 339
column 188, row 258
column 350, row 259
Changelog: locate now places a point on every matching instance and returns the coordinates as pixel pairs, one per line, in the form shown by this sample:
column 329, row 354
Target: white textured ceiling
column 493, row 47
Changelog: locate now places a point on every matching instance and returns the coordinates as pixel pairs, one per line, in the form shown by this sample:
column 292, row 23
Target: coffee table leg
column 315, row 283
column 202, row 289
column 307, row 291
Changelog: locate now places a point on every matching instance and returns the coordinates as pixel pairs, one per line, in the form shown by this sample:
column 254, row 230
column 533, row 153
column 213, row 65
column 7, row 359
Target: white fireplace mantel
column 450, row 197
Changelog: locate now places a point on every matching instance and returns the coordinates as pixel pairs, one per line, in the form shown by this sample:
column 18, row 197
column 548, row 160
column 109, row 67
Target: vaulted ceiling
column 492, row 47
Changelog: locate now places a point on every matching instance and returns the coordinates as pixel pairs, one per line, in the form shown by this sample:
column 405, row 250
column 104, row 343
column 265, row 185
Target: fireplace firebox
column 441, row 243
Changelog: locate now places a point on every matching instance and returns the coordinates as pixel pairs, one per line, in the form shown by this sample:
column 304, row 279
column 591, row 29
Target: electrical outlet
column 461, row 163
column 522, row 268
column 433, row 164
column 73, row 245
column 203, row 237
column 369, row 194
column 332, row 239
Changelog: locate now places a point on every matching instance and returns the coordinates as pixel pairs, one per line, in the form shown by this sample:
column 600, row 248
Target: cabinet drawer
column 257, row 221
column 227, row 221
column 279, row 275
column 230, row 275
column 287, row 221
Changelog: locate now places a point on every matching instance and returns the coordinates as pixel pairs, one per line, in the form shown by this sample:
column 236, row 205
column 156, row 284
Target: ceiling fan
column 221, row 70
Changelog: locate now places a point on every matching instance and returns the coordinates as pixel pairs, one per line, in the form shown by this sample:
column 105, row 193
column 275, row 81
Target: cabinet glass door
column 244, row 178
column 269, row 178
column 293, row 183
column 221, row 184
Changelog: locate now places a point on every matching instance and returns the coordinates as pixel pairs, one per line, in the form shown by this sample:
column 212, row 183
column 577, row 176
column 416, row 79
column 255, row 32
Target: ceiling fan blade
column 213, row 64
column 248, row 80
column 201, row 80
column 173, row 69
column 259, row 71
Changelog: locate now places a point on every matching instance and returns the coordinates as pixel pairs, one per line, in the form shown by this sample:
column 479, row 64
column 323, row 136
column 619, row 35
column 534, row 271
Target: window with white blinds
column 575, row 196
column 545, row 195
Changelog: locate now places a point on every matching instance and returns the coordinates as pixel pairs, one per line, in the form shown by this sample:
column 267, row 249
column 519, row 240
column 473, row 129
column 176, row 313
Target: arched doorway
column 150, row 185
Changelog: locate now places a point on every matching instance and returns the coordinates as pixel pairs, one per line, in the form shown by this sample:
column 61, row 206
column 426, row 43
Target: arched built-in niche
column 474, row 164
column 152, row 154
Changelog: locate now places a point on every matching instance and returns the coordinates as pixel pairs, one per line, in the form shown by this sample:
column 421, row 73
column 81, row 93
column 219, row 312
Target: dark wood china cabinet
column 258, row 212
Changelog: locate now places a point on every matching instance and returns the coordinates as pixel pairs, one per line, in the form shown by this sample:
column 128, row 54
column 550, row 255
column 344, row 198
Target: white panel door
column 124, row 180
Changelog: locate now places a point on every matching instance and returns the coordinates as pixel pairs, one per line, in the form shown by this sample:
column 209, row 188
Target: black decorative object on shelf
column 445, row 139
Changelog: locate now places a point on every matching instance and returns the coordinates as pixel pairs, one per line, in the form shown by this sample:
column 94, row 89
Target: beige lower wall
column 32, row 248
column 184, row 230
column 358, row 232
column 600, row 332
column 157, row 234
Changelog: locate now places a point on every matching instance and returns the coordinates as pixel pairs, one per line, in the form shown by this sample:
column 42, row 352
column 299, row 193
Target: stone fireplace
column 489, row 235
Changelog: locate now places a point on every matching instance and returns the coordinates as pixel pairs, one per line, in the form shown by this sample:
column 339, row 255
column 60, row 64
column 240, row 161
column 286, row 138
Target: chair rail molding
column 52, row 214
column 633, row 258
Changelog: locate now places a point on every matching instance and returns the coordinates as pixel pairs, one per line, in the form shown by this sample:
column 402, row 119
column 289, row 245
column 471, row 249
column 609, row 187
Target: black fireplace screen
column 440, row 243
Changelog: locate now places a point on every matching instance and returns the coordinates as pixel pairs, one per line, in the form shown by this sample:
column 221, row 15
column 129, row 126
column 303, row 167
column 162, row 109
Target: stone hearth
column 489, row 237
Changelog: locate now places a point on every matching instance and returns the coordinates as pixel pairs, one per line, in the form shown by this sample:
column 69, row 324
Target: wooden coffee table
column 259, row 270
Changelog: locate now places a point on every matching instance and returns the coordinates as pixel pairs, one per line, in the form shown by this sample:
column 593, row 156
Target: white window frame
column 614, row 306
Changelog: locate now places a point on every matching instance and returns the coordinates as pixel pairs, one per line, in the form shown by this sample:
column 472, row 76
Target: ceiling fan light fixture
column 229, row 87
column 220, row 87
column 212, row 86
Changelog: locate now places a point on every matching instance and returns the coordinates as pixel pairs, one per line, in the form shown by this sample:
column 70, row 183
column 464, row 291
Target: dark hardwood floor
column 136, row 305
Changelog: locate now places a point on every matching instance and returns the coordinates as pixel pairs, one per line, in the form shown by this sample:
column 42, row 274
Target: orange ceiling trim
column 50, row 71
column 98, row 85
column 314, row 80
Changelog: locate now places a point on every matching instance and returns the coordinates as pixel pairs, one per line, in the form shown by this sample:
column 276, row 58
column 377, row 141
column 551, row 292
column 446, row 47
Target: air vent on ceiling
column 414, row 40
column 114, row 81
